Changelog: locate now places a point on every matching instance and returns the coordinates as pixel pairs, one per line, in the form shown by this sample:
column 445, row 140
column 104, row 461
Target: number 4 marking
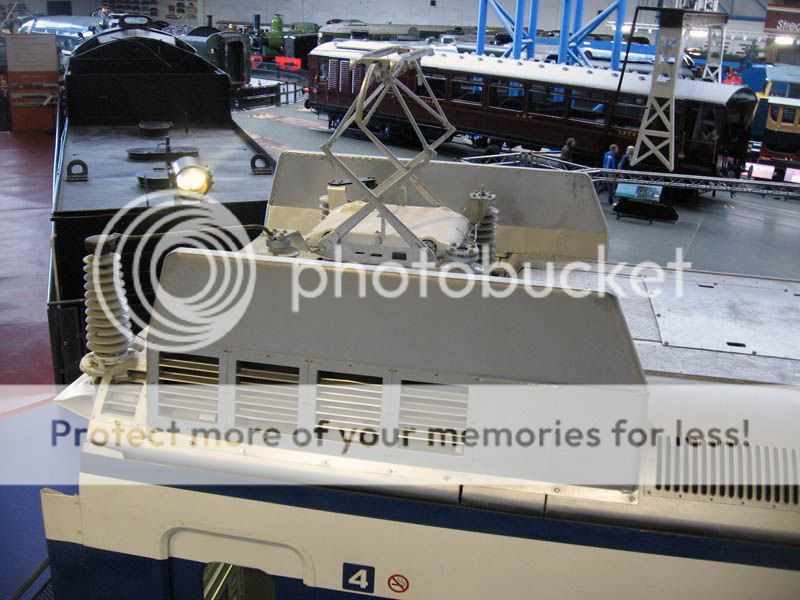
column 360, row 578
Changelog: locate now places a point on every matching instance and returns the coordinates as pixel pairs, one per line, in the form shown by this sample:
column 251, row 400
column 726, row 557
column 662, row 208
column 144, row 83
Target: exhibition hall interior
column 427, row 299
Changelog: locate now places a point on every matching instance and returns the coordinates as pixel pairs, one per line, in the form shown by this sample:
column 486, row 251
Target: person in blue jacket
column 610, row 162
column 623, row 165
column 625, row 162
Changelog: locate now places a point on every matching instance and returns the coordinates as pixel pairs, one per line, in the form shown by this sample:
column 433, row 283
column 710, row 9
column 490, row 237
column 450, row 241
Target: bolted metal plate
column 712, row 314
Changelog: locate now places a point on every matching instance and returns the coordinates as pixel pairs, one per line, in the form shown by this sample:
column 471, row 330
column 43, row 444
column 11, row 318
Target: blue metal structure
column 573, row 52
column 563, row 40
column 576, row 24
column 569, row 48
column 514, row 25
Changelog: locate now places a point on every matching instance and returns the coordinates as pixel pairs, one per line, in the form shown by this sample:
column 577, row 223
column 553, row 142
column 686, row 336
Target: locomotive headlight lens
column 191, row 175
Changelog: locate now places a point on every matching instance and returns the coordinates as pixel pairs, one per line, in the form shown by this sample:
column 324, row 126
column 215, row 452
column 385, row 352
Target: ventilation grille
column 188, row 387
column 344, row 76
column 358, row 78
column 124, row 394
column 267, row 396
column 760, row 475
column 333, row 74
column 349, row 402
column 433, row 417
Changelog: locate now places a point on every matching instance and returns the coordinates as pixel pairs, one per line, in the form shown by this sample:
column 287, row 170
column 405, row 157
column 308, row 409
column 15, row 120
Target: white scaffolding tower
column 656, row 136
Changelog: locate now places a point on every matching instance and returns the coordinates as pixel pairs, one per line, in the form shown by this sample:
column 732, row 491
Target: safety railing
column 701, row 183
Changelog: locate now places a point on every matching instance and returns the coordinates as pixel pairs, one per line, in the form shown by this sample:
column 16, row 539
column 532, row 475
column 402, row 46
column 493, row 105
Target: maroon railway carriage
column 535, row 104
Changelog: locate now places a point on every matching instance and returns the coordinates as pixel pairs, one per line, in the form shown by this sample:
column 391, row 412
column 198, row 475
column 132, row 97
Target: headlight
column 191, row 175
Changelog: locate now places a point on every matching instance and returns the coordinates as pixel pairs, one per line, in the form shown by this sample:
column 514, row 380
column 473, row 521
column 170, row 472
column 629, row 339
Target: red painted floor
column 26, row 164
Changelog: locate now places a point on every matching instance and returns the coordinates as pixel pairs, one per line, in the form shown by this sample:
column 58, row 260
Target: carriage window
column 587, row 105
column 779, row 88
column 507, row 94
column 788, row 115
column 628, row 111
column 223, row 581
column 468, row 89
column 546, row 100
column 438, row 83
column 773, row 112
column 704, row 124
column 323, row 71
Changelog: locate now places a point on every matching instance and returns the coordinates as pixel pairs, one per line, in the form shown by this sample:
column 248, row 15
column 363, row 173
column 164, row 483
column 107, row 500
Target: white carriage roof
column 781, row 101
column 783, row 73
column 350, row 48
column 601, row 79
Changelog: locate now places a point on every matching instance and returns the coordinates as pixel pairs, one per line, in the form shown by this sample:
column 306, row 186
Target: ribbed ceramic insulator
column 108, row 325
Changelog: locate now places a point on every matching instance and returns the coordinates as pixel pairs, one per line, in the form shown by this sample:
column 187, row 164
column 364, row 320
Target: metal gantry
column 573, row 32
column 572, row 45
column 656, row 136
column 523, row 39
column 714, row 55
column 787, row 191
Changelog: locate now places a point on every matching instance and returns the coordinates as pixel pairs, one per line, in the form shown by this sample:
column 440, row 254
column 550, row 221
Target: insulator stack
column 324, row 207
column 486, row 236
column 108, row 326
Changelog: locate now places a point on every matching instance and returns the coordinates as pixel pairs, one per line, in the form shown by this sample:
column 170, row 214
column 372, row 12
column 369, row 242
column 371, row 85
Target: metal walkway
column 786, row 191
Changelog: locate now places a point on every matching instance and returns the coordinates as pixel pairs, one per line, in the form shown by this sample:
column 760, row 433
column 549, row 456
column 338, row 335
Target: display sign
column 32, row 58
column 782, row 19
column 792, row 175
column 635, row 191
column 759, row 171
column 33, row 71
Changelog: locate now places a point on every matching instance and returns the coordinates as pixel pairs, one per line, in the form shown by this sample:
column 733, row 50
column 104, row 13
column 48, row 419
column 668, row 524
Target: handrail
column 27, row 584
column 674, row 180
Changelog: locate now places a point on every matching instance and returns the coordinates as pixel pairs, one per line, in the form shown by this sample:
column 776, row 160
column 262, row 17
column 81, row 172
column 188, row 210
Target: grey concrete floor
column 746, row 234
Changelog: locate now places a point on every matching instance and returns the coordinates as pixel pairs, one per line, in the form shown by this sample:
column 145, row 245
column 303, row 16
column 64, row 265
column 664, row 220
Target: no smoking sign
column 398, row 583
